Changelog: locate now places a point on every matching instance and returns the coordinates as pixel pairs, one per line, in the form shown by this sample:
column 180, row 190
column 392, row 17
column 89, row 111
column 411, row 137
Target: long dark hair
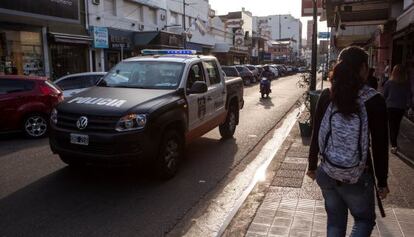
column 346, row 79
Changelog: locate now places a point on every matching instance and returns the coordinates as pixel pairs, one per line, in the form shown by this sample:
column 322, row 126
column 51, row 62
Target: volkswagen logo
column 82, row 122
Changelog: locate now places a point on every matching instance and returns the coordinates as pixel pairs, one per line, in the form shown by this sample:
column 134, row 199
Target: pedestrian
column 372, row 80
column 349, row 118
column 397, row 94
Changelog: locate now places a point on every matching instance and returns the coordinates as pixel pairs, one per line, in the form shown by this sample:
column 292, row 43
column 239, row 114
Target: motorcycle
column 265, row 87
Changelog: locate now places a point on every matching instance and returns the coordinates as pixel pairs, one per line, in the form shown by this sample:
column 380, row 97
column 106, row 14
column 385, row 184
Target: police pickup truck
column 147, row 108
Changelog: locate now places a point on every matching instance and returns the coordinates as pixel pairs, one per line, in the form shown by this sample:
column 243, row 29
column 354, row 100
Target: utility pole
column 280, row 27
column 184, row 26
column 312, row 85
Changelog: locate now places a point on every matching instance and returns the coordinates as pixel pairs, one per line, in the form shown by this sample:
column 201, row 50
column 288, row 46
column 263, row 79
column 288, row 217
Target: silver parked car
column 75, row 83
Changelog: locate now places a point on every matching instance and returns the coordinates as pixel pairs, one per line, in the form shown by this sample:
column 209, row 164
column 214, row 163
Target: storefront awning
column 221, row 48
column 70, row 38
column 198, row 47
column 144, row 38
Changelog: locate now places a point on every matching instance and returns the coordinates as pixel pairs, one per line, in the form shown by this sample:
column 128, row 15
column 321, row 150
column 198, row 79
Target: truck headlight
column 131, row 122
column 54, row 116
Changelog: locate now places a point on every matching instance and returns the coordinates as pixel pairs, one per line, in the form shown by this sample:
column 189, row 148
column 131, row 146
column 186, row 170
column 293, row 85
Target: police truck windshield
column 144, row 75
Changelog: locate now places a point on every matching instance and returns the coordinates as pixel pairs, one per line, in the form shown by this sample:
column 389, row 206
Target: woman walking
column 350, row 117
column 397, row 93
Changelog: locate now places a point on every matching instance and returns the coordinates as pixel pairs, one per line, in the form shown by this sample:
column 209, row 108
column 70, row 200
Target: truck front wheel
column 228, row 128
column 170, row 154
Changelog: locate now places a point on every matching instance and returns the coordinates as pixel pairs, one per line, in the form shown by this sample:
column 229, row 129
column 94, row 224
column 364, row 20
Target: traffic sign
column 324, row 35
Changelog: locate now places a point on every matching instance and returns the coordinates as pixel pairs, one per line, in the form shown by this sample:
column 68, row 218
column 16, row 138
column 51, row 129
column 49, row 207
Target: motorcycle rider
column 267, row 73
column 265, row 82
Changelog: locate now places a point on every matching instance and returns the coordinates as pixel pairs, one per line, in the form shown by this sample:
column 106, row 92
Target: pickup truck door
column 197, row 103
column 216, row 91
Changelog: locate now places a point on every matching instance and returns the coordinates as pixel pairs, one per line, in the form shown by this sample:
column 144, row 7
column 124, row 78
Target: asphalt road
column 40, row 196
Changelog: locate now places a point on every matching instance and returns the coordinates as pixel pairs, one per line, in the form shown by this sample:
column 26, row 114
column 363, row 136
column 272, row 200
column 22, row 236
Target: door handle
column 209, row 98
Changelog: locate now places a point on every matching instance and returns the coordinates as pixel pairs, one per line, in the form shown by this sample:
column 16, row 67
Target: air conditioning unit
column 162, row 16
column 141, row 27
column 211, row 13
column 96, row 2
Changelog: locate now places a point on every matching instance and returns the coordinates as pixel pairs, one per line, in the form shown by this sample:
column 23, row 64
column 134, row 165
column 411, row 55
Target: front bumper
column 115, row 147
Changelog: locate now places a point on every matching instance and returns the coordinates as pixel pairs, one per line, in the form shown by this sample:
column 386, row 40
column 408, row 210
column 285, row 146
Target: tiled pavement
column 293, row 204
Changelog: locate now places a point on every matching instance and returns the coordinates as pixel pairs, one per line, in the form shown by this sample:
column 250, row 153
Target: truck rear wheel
column 170, row 154
column 228, row 128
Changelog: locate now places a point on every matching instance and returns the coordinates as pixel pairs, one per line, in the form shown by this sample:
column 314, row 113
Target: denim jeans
column 358, row 198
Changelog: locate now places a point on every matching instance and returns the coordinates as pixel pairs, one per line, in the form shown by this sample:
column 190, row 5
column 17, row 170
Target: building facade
column 43, row 38
column 285, row 26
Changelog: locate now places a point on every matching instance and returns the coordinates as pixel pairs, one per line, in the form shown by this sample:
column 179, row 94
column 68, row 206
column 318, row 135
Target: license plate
column 79, row 139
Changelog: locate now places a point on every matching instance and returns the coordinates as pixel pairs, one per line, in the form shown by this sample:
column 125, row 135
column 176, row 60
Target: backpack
column 344, row 140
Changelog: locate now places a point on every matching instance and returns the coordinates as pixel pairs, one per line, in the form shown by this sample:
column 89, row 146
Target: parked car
column 255, row 72
column 260, row 69
column 303, row 69
column 75, row 83
column 26, row 103
column 282, row 70
column 275, row 71
column 166, row 102
column 230, row 71
column 245, row 74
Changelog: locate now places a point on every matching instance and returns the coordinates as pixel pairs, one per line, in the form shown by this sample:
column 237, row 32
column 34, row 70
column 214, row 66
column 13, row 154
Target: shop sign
column 324, row 35
column 65, row 10
column 119, row 41
column 307, row 7
column 234, row 23
column 100, row 37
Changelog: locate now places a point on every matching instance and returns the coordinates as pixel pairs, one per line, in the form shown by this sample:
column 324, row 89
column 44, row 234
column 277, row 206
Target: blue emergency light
column 167, row 51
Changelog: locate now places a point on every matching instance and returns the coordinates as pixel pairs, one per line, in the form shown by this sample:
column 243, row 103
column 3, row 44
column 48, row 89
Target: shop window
column 21, row 53
column 68, row 59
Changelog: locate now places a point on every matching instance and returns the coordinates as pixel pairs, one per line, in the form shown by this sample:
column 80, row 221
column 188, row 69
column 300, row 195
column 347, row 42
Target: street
column 40, row 196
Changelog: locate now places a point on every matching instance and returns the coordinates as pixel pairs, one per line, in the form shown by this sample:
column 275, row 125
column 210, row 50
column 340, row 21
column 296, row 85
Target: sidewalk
column 293, row 204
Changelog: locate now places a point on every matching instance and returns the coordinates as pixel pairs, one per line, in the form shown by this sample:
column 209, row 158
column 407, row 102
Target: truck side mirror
column 198, row 87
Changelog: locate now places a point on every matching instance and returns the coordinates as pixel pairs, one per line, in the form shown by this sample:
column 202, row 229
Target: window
column 212, row 72
column 133, row 11
column 109, row 7
column 173, row 18
column 14, row 86
column 195, row 74
column 152, row 16
column 21, row 53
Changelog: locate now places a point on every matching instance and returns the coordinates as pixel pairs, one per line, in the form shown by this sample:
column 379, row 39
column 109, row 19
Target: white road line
column 223, row 208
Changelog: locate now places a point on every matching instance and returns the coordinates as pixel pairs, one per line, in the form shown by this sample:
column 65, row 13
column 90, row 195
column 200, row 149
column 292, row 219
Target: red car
column 26, row 103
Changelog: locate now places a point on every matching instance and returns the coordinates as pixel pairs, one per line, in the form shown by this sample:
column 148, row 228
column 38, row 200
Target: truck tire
column 73, row 163
column 228, row 128
column 170, row 154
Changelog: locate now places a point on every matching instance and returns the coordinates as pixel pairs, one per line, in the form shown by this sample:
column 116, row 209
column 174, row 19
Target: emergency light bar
column 167, row 51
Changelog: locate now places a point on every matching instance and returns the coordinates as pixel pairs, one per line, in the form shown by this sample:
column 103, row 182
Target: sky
column 264, row 8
